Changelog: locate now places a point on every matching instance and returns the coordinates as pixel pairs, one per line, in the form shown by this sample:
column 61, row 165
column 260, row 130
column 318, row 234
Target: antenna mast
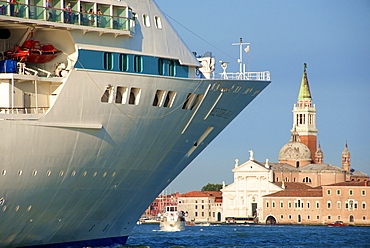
column 240, row 60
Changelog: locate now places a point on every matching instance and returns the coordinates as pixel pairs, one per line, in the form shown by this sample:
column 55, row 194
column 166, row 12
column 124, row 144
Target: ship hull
column 93, row 136
column 65, row 180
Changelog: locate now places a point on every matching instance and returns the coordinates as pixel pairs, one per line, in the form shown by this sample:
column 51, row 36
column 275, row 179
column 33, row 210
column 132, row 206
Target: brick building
column 201, row 206
column 345, row 201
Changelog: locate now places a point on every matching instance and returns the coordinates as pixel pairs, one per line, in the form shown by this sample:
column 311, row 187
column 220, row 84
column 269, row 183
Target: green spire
column 304, row 91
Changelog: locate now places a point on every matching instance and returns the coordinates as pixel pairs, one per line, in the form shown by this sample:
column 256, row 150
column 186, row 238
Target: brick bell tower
column 304, row 116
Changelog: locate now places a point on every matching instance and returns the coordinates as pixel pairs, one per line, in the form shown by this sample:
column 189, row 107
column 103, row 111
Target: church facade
column 300, row 170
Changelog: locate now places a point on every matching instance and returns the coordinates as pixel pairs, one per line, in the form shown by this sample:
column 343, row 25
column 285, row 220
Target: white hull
column 83, row 172
column 172, row 226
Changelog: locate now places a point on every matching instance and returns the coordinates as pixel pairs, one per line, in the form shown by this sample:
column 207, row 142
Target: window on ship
column 158, row 98
column 134, row 96
column 107, row 95
column 123, row 62
column 108, row 61
column 138, row 63
column 170, row 97
column 121, row 96
column 188, row 101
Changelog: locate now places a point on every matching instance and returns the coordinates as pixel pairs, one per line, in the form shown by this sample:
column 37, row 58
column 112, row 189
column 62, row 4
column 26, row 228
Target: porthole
column 146, row 20
column 17, row 208
column 29, row 207
column 34, row 173
column 160, row 66
column 158, row 22
column 104, row 174
column 123, row 62
column 3, row 172
column 61, row 173
column 138, row 63
column 4, row 208
column 20, row 172
column 73, row 173
column 84, row 174
column 48, row 173
column 114, row 174
column 95, row 173
column 108, row 61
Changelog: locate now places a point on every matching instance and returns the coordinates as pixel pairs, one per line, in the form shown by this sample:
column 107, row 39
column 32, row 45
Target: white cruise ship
column 102, row 106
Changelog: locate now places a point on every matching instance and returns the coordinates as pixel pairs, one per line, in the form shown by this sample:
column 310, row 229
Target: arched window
column 351, row 218
column 307, row 180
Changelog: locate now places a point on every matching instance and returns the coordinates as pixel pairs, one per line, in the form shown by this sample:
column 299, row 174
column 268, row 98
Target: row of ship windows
column 17, row 208
column 350, row 204
column 165, row 66
column 61, row 173
column 299, row 217
column 157, row 21
column 162, row 98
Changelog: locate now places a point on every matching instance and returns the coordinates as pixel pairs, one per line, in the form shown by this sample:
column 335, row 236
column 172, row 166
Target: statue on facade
column 251, row 155
column 236, row 163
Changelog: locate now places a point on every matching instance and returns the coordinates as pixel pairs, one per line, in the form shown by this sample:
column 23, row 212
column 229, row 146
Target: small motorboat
column 172, row 220
column 337, row 223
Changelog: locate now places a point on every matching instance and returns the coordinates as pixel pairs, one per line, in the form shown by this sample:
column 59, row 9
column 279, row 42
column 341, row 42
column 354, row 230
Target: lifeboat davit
column 32, row 51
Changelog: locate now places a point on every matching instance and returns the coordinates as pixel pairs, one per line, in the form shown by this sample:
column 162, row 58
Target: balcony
column 72, row 19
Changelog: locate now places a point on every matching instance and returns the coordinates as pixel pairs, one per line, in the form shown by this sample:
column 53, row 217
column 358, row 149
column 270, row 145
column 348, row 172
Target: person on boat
column 98, row 17
column 68, row 13
column 14, row 7
column 48, row 7
column 91, row 17
column 3, row 10
column 83, row 16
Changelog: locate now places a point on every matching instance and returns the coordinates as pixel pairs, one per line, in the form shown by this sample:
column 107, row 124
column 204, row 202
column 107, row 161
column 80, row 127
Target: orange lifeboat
column 32, row 51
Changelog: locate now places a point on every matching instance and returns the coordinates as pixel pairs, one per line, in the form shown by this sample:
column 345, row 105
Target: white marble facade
column 252, row 180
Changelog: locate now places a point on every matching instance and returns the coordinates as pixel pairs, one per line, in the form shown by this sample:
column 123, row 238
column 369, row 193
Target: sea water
column 251, row 236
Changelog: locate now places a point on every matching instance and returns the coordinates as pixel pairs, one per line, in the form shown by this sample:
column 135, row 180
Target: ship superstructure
column 102, row 106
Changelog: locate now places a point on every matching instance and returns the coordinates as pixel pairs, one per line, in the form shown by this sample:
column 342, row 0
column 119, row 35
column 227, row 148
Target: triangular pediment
column 251, row 166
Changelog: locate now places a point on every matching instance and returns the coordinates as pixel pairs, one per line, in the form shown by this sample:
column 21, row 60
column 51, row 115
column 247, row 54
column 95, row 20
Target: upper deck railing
column 260, row 76
column 81, row 18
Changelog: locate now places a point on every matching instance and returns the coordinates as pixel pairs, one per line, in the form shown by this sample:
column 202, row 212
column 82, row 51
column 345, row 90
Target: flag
column 246, row 49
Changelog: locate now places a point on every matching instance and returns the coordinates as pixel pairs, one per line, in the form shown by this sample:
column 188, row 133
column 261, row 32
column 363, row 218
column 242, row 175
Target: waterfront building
column 345, row 201
column 242, row 200
column 201, row 206
column 301, row 161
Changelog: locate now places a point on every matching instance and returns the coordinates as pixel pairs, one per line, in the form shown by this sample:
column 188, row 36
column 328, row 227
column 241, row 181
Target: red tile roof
column 297, row 193
column 290, row 185
column 202, row 194
column 351, row 183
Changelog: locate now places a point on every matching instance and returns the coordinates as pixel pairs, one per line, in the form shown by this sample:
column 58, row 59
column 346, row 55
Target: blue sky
column 332, row 37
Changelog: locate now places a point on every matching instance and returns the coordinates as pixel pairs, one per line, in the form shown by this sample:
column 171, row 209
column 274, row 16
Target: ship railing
column 56, row 15
column 29, row 110
column 259, row 76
